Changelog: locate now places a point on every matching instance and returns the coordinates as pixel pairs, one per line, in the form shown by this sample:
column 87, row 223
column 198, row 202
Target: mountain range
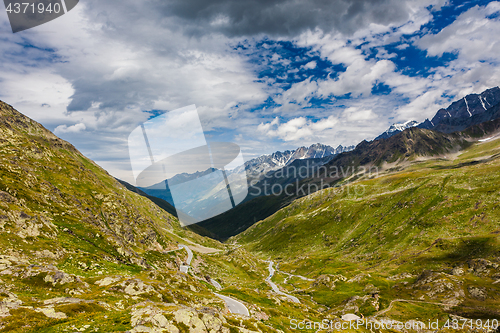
column 254, row 169
column 266, row 171
column 472, row 109
column 399, row 143
column 457, row 116
column 342, row 168
column 267, row 163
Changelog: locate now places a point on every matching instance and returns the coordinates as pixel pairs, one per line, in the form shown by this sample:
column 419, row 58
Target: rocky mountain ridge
column 255, row 169
column 472, row 109
column 277, row 160
column 461, row 110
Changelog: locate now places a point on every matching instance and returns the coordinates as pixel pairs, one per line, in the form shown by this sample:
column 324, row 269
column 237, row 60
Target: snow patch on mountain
column 397, row 128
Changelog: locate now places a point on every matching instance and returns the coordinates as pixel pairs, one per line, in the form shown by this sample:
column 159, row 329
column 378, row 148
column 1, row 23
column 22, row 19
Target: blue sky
column 268, row 75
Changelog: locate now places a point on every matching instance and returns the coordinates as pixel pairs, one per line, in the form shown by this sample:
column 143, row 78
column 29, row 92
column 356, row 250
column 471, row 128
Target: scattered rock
column 457, row 271
column 136, row 287
column 149, row 314
column 198, row 323
column 328, row 280
column 156, row 317
column 46, row 254
column 481, row 267
column 477, row 292
column 64, row 300
column 6, row 197
column 425, row 277
column 350, row 317
column 401, row 276
column 12, row 302
column 359, row 277
column 59, row 277
column 260, row 315
column 51, row 313
column 108, row 280
column 370, row 288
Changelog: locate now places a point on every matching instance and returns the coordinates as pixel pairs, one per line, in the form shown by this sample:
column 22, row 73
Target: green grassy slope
column 66, row 224
column 407, row 145
column 432, row 216
column 55, row 197
column 80, row 252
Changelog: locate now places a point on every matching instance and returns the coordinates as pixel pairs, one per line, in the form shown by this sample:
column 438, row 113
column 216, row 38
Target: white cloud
column 324, row 124
column 354, row 114
column 470, row 36
column 424, row 105
column 296, row 128
column 310, row 65
column 107, row 73
column 358, row 78
column 62, row 129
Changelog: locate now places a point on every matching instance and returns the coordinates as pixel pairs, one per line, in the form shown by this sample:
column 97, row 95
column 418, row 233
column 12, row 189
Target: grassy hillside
column 55, row 197
column 80, row 252
column 426, row 233
column 407, row 145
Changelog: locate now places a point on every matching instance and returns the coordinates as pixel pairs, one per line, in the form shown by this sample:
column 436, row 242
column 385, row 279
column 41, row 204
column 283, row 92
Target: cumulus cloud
column 470, row 35
column 358, row 79
column 62, row 129
column 310, row 65
column 103, row 64
column 296, row 128
column 354, row 114
column 475, row 68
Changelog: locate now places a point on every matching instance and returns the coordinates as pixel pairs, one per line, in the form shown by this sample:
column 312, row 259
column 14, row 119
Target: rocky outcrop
column 160, row 317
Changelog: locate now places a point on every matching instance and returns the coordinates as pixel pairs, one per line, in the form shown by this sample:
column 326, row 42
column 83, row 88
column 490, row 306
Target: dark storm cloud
column 282, row 17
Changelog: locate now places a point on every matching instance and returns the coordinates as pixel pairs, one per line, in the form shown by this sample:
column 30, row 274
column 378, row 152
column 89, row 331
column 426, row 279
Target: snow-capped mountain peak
column 279, row 159
column 396, row 128
column 469, row 110
column 402, row 126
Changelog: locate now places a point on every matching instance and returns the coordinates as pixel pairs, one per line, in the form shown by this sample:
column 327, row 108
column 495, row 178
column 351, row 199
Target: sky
column 268, row 75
